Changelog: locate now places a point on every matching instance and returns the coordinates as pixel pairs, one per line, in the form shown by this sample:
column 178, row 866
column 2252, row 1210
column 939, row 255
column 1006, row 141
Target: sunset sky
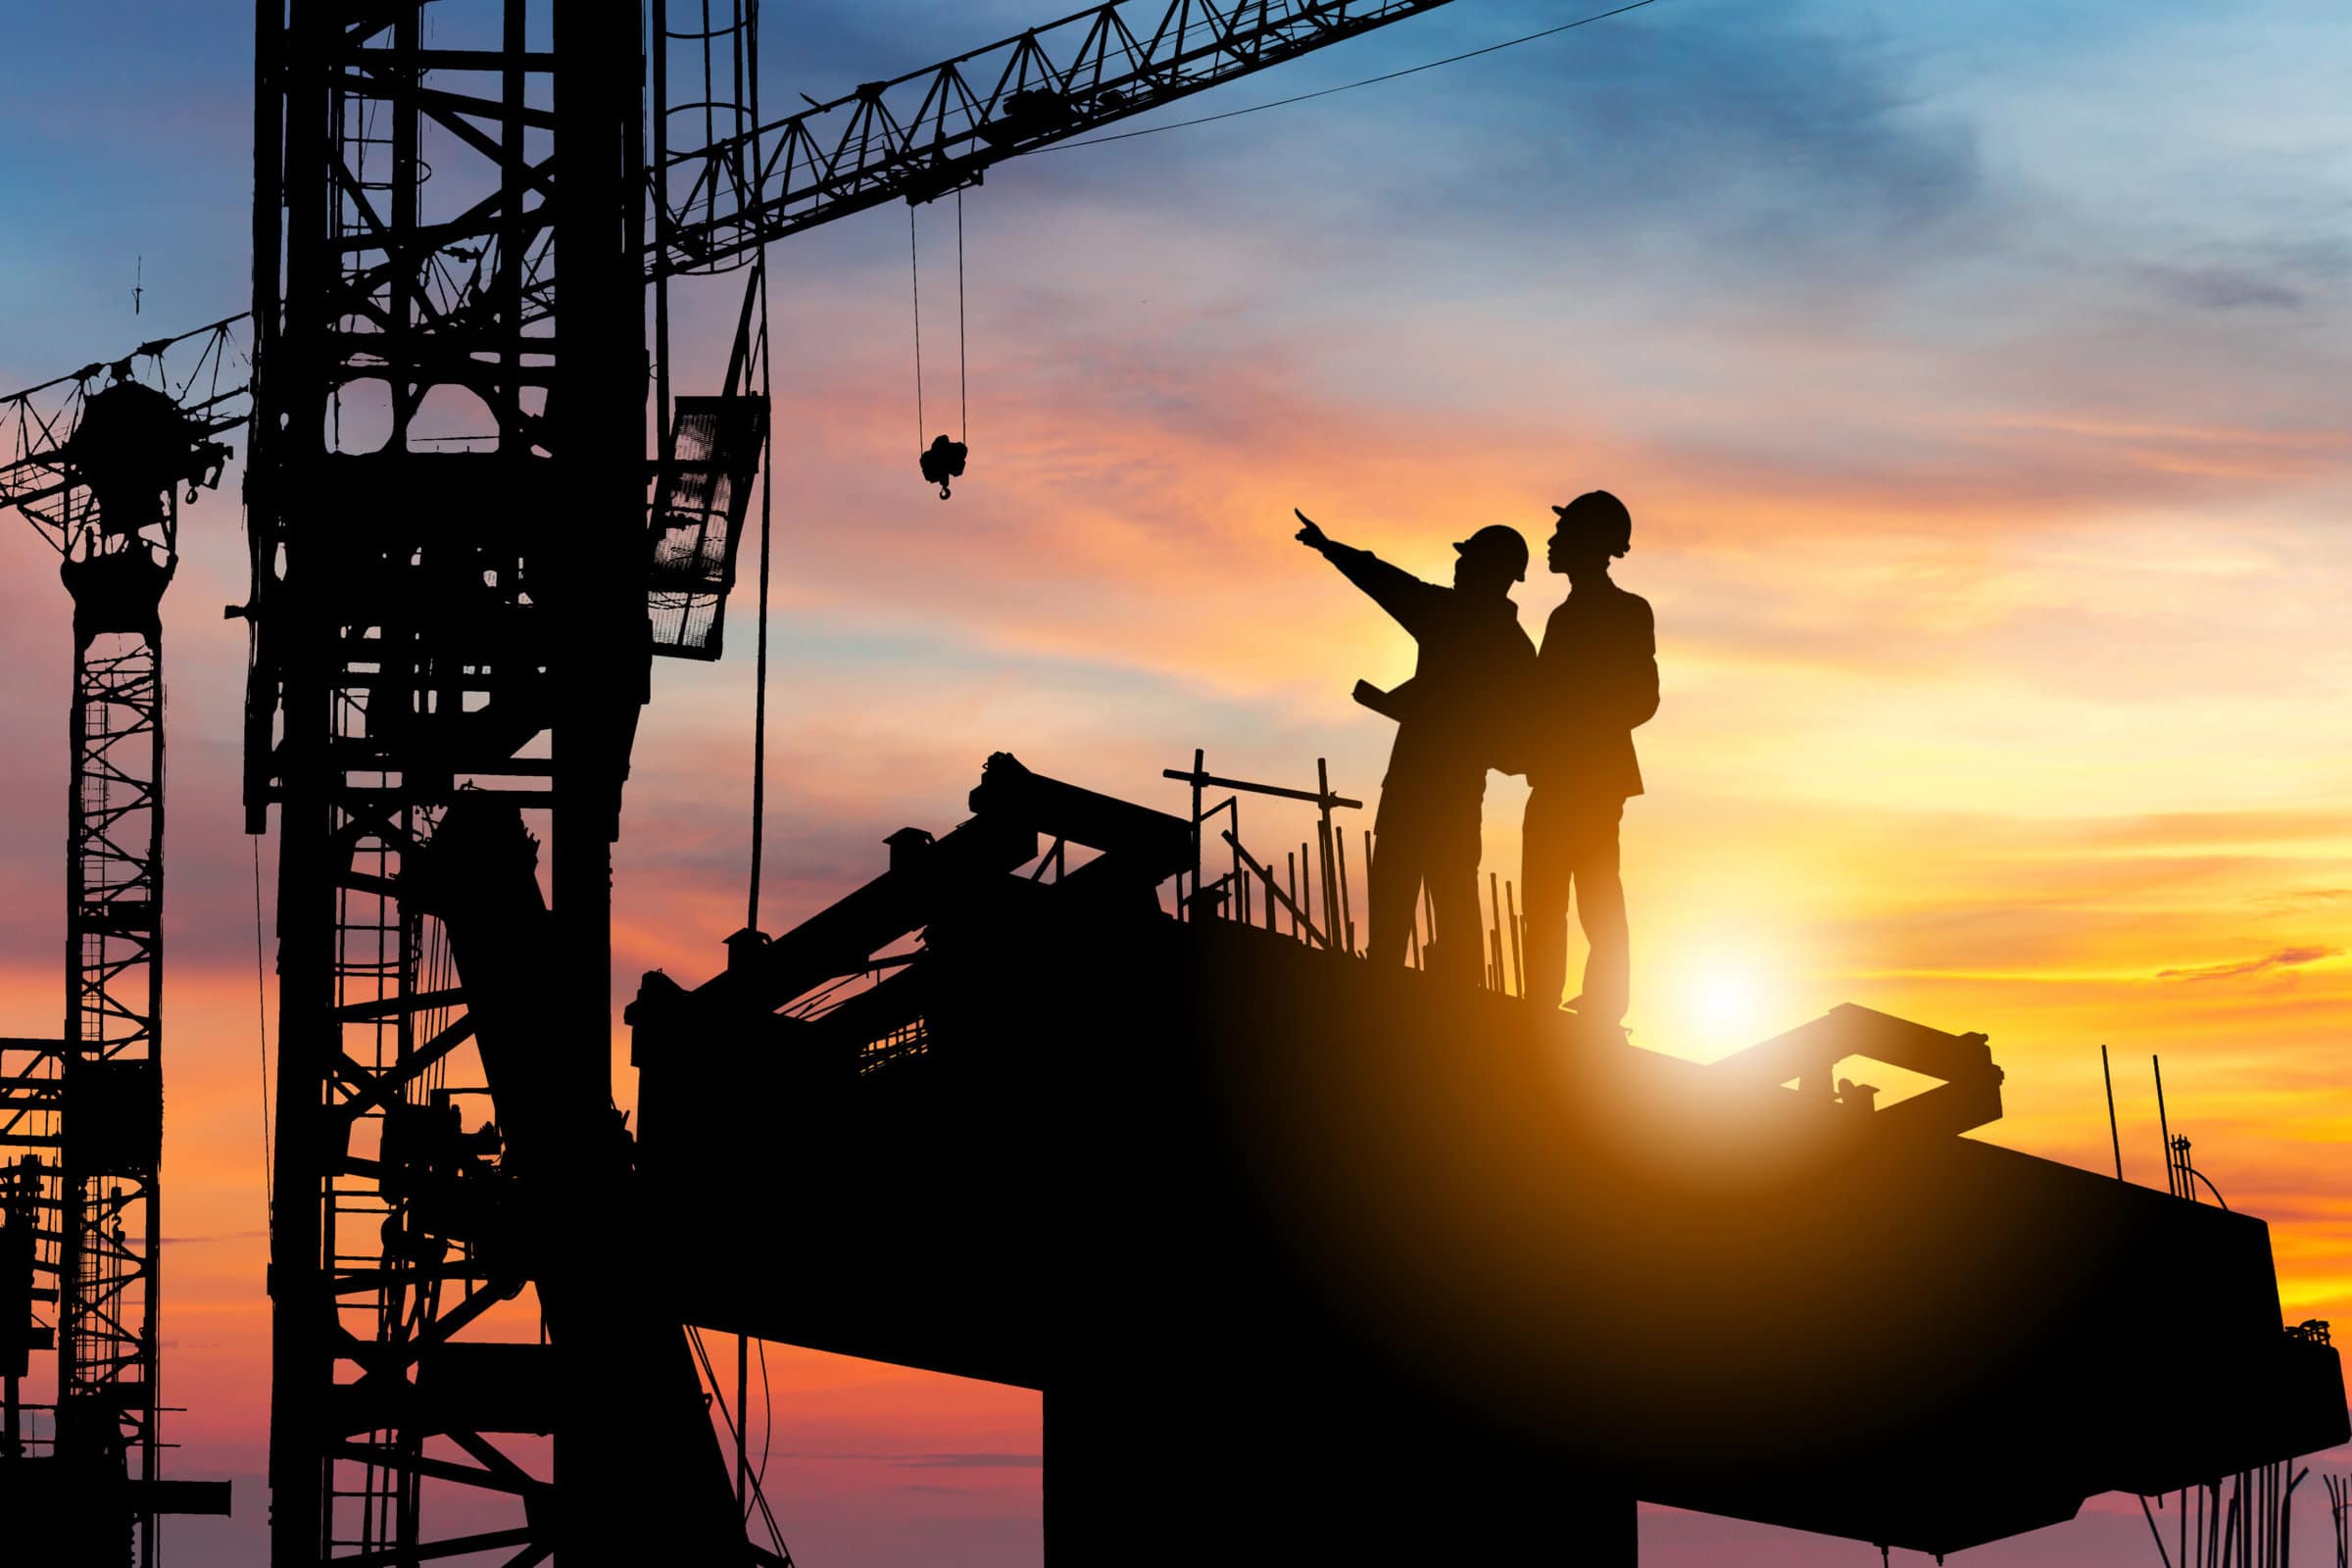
column 1976, row 375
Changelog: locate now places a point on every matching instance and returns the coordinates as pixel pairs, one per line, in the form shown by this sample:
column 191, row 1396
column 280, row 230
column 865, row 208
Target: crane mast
column 447, row 523
column 96, row 463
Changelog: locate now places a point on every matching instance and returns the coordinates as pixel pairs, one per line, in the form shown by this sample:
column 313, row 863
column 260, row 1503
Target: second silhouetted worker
column 1474, row 660
column 1597, row 679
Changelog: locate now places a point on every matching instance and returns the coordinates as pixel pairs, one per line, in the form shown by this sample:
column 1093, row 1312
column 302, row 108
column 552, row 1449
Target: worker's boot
column 1584, row 1026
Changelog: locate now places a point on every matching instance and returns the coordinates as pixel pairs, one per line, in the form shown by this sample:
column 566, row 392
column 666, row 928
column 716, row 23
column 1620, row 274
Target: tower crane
column 97, row 463
column 462, row 557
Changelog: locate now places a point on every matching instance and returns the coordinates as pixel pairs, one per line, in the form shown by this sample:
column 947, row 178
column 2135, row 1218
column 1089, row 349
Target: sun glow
column 1716, row 997
column 1725, row 997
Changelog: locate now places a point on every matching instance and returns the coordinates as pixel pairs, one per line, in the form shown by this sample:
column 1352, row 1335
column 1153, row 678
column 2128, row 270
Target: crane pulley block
column 943, row 461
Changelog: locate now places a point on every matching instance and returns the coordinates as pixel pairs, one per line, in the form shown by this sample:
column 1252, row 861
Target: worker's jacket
column 1474, row 661
column 1595, row 679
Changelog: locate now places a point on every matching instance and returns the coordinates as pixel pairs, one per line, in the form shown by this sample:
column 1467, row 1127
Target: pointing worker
column 1474, row 658
column 1595, row 680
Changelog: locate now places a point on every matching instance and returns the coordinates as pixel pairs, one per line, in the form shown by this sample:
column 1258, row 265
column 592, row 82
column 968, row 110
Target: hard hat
column 1604, row 515
column 1502, row 545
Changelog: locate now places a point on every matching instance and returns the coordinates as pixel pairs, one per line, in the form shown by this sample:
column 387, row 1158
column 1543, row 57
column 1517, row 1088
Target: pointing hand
column 1310, row 535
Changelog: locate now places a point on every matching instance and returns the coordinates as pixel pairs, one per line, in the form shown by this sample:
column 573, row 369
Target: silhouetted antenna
column 2113, row 1134
column 2164, row 1129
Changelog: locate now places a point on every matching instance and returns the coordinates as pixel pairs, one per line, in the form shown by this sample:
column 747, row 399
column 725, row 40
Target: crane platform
column 1309, row 1256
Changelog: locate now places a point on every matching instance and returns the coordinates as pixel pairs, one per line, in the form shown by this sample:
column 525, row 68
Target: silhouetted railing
column 1310, row 896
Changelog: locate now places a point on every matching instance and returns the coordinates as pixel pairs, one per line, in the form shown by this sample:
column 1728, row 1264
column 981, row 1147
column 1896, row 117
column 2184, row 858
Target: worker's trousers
column 1568, row 847
column 1437, row 850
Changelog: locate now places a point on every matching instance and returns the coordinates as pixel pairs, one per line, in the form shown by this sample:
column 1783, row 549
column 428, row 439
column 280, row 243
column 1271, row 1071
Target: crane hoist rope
column 768, row 467
column 944, row 458
column 260, row 996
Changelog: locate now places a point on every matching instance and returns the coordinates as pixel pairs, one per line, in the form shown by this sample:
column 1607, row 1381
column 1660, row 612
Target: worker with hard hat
column 1595, row 680
column 1474, row 664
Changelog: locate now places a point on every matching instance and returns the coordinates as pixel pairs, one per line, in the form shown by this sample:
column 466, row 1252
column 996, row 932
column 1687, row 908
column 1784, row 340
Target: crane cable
column 1300, row 98
column 717, row 1401
column 760, row 678
column 768, row 1418
column 914, row 272
column 943, row 460
column 963, row 395
column 757, row 1495
column 260, row 1002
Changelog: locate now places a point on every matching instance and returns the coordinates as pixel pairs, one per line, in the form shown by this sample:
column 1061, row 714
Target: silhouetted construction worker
column 1595, row 678
column 1474, row 660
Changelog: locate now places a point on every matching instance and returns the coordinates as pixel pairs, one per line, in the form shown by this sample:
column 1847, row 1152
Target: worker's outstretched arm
column 1392, row 588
